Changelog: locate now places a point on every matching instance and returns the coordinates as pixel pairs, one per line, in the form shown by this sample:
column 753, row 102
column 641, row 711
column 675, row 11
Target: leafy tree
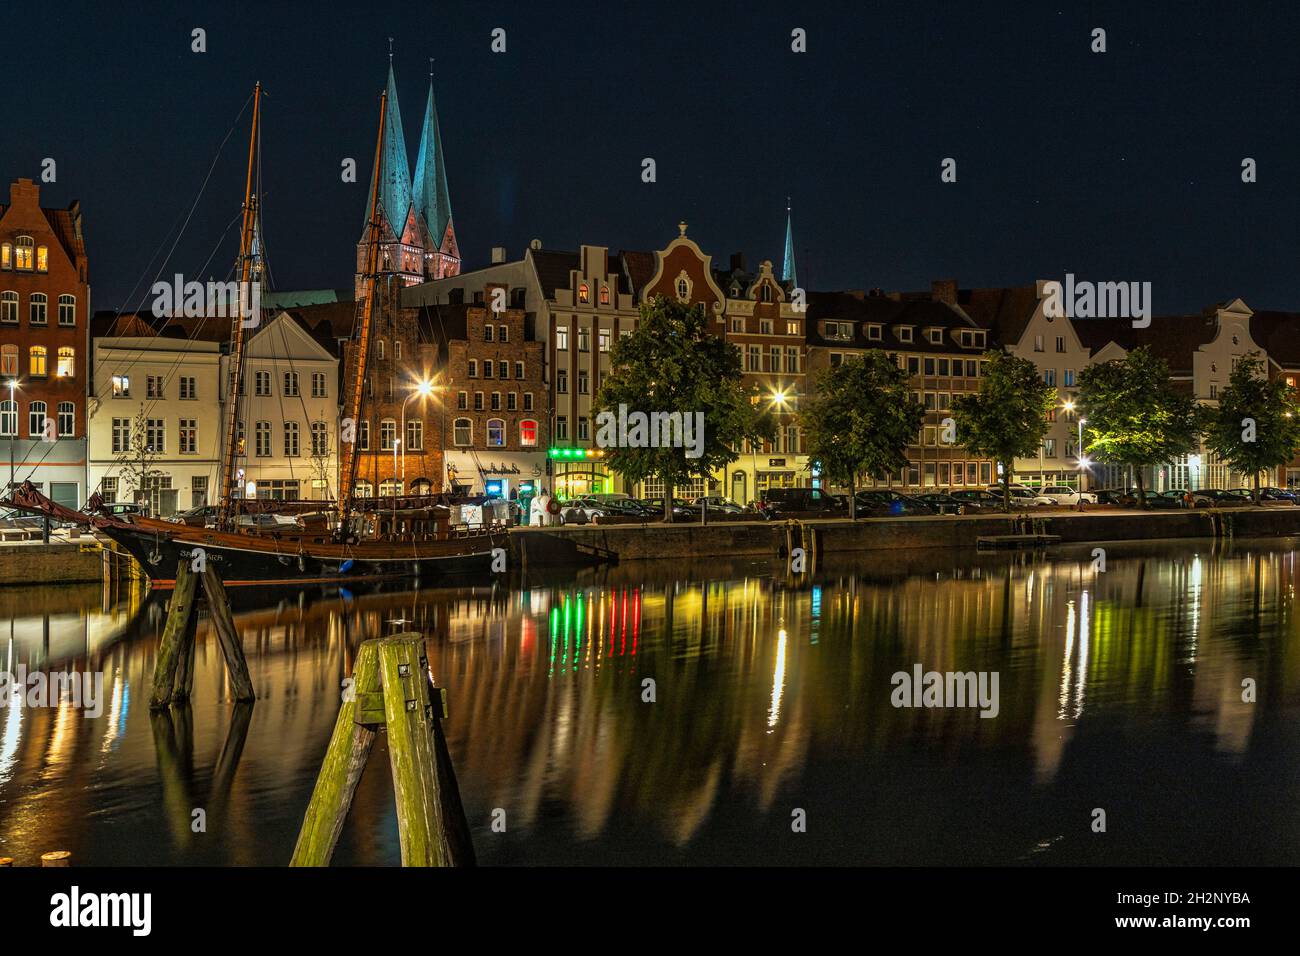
column 674, row 365
column 1135, row 415
column 136, row 463
column 860, row 420
column 1007, row 418
column 1257, row 423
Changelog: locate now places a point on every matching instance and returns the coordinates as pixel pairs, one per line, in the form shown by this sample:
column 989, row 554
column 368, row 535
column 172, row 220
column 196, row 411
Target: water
column 1119, row 690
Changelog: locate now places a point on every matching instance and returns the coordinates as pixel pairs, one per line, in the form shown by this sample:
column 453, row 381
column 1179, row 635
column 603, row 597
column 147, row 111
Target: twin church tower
column 418, row 237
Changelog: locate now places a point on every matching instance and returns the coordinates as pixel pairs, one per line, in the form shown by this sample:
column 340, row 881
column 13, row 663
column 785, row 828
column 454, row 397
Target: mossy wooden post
column 349, row 749
column 171, row 650
column 224, row 624
column 391, row 688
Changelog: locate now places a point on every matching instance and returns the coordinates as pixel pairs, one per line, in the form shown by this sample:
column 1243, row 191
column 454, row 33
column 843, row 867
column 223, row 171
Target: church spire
column 431, row 197
column 787, row 268
column 395, row 171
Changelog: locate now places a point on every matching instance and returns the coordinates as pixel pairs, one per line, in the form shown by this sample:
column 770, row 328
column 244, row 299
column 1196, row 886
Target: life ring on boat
column 553, row 507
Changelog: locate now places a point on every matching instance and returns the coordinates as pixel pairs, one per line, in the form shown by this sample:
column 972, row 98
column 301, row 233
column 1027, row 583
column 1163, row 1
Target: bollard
column 56, row 858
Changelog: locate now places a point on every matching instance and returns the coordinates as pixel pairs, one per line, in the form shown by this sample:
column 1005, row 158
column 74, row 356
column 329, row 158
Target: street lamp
column 1083, row 460
column 13, row 435
column 422, row 390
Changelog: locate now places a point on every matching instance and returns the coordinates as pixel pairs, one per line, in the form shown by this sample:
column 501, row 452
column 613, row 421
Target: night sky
column 1117, row 166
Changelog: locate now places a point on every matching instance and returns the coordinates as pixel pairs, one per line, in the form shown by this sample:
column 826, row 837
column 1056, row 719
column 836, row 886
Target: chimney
column 24, row 190
column 498, row 255
column 944, row 290
column 737, row 262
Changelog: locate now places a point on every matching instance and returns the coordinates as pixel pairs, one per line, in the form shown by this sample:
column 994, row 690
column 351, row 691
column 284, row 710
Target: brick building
column 44, row 341
column 495, row 405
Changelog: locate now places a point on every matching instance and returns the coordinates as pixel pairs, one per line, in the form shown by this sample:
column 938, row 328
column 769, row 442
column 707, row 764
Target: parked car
column 781, row 501
column 1215, row 498
column 1173, row 498
column 1065, row 495
column 1279, row 494
column 945, row 504
column 582, row 510
column 979, row 500
column 123, row 509
column 1112, row 496
column 893, row 503
column 718, row 503
column 267, row 521
column 681, row 507
column 202, row 517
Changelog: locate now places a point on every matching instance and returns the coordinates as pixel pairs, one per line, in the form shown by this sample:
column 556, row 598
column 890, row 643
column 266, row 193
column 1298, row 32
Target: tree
column 1257, row 423
column 674, row 404
column 860, row 420
column 1135, row 415
column 1007, row 418
column 136, row 462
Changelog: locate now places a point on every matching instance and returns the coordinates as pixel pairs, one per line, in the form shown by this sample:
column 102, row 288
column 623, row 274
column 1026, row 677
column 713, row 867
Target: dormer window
column 904, row 333
column 873, row 332
column 839, row 331
column 584, row 293
column 935, row 336
column 765, row 293
column 24, row 253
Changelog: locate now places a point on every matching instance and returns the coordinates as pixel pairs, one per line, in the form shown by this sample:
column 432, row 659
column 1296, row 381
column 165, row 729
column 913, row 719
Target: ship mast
column 237, row 323
column 355, row 387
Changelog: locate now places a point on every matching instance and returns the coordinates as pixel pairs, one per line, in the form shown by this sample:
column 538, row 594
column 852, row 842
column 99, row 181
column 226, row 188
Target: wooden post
column 185, row 666
column 391, row 688
column 6, row 861
column 173, row 639
column 224, row 624
column 56, row 858
column 345, row 759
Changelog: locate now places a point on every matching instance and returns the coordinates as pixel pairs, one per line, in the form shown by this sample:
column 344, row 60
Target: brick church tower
column 418, row 237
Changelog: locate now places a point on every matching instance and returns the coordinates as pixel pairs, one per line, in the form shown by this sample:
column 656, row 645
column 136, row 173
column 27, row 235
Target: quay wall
column 535, row 547
column 31, row 562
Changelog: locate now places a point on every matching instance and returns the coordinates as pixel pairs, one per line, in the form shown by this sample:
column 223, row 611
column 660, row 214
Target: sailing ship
column 410, row 537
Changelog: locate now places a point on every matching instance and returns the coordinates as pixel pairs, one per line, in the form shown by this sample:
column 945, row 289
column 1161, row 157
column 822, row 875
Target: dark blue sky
column 1124, row 165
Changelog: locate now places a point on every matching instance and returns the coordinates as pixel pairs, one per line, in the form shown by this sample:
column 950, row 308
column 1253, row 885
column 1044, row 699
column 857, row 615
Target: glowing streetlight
column 422, row 390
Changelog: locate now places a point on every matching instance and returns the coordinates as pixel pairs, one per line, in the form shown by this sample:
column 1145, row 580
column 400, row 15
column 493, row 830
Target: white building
column 289, row 413
column 154, row 414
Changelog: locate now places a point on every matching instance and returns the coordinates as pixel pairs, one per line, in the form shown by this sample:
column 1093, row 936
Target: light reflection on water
column 1119, row 689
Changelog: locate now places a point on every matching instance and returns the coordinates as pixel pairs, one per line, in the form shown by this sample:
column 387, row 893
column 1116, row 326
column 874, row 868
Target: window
column 583, row 434
column 36, row 420
column 528, row 433
column 603, row 341
column 198, row 491
column 604, row 295
column 6, row 256
column 1060, row 343
column 363, row 489
column 489, row 368
column 379, row 349
column 561, row 427
column 1049, row 447
column 512, row 401
column 415, row 435
column 153, row 386
column 473, row 368
column 291, row 440
column 262, row 384
column 387, row 435
column 38, row 307
column 9, row 418
column 9, row 307
column 67, row 310
column 1049, row 376
column 23, row 253
column 584, row 293
column 936, row 336
column 36, row 363
column 528, row 401
column 462, row 400
column 584, row 383
column 562, row 382
column 478, row 401
column 929, row 366
column 487, row 333
column 108, row 490
column 584, row 340
column 905, row 333
column 43, row 261
column 683, row 289
column 155, row 435
column 363, row 435
column 189, row 436
column 1068, row 378
column 1038, row 343
column 189, row 388
column 318, row 389
column 519, row 370
column 121, row 386
column 121, row 435
column 873, row 333
column 320, row 440
column 67, row 362
column 9, row 360
column 737, row 324
column 463, row 432
column 562, row 338
column 496, row 401
column 503, row 333
column 496, row 432
column 262, row 439
column 397, row 351
column 291, row 384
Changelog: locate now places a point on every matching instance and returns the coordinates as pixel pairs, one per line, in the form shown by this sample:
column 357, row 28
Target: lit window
column 42, row 259
column 604, row 295
column 23, row 253
column 584, row 294
column 36, row 366
column 415, row 435
column 528, row 433
column 496, row 430
column 6, row 256
column 9, row 361
column 67, row 362
column 121, row 386
column 387, row 434
column 463, row 431
column 189, row 436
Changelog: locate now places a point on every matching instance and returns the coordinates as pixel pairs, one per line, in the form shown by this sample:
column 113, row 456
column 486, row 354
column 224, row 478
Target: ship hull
column 250, row 560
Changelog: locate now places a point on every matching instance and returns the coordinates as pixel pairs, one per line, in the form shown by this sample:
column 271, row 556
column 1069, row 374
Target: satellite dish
column 535, row 245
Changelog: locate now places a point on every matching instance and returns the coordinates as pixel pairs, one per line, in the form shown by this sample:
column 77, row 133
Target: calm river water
column 1118, row 689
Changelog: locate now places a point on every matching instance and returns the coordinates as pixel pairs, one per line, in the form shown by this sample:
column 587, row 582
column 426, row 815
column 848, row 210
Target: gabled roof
column 553, row 268
column 1004, row 312
column 1174, row 338
column 1278, row 334
column 638, row 270
column 861, row 309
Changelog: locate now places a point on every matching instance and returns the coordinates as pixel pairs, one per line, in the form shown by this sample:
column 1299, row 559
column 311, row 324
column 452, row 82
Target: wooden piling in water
column 6, row 861
column 391, row 689
column 56, row 858
column 224, row 623
column 174, row 634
